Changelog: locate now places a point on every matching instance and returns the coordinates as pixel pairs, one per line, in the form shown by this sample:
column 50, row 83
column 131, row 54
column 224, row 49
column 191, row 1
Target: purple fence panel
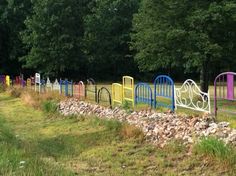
column 230, row 86
column 3, row 79
column 224, row 88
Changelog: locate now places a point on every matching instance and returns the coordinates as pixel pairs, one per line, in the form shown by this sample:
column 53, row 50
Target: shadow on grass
column 71, row 145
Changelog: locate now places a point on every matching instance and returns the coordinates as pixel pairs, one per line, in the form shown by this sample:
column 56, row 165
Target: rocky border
column 158, row 128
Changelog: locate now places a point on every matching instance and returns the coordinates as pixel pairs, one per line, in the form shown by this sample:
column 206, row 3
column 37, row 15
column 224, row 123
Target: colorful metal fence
column 37, row 82
column 91, row 90
column 8, row 81
column 143, row 94
column 79, row 90
column 56, row 86
column 66, row 87
column 104, row 97
column 190, row 96
column 128, row 89
column 32, row 81
column 2, row 79
column 28, row 83
column 224, row 90
column 42, row 86
column 164, row 92
column 23, row 83
column 70, row 88
column 117, row 97
column 48, row 85
column 17, row 80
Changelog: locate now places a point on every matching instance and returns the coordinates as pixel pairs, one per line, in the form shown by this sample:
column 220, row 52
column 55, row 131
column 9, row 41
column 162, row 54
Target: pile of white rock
column 158, row 128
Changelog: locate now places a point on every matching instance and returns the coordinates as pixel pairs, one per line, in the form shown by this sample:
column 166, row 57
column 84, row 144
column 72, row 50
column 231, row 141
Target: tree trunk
column 204, row 76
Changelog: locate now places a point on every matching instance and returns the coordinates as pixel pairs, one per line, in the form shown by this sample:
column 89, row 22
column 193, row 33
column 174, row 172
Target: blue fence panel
column 70, row 88
column 66, row 87
column 164, row 87
column 143, row 94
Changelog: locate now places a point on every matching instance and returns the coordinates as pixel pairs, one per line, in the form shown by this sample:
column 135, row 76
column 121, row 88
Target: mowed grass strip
column 33, row 144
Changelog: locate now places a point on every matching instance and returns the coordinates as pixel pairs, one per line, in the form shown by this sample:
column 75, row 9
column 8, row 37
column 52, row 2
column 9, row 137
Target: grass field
column 32, row 143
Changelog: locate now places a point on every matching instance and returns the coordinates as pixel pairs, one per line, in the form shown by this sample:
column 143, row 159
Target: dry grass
column 35, row 99
column 131, row 132
column 14, row 92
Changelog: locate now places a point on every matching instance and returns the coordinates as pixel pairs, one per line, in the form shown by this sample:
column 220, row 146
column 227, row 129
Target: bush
column 49, row 106
column 216, row 149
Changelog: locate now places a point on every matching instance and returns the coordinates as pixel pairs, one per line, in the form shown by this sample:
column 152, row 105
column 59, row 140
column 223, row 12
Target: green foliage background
column 105, row 39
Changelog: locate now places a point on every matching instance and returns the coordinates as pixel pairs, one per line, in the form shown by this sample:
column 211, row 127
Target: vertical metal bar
column 220, row 87
column 223, row 86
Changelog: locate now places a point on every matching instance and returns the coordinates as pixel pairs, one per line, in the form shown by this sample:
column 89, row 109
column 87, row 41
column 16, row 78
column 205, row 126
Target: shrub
column 49, row 106
column 216, row 149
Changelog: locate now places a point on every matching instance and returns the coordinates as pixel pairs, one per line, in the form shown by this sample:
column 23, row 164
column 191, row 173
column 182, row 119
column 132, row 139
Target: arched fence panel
column 104, row 97
column 190, row 96
column 56, row 86
column 143, row 94
column 17, row 80
column 224, row 93
column 117, row 97
column 66, row 87
column 128, row 89
column 164, row 92
column 8, row 81
column 91, row 90
column 32, row 82
column 70, row 88
column 79, row 90
column 37, row 82
column 48, row 85
column 42, row 86
column 28, row 83
column 3, row 79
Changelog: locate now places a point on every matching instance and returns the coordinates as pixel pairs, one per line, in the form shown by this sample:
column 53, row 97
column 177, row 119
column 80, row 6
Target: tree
column 196, row 35
column 54, row 36
column 12, row 16
column 107, row 37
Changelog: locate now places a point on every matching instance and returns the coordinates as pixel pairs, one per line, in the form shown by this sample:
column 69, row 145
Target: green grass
column 49, row 106
column 218, row 150
column 86, row 146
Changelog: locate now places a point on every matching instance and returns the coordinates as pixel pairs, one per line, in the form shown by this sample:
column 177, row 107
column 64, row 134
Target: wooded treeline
column 106, row 39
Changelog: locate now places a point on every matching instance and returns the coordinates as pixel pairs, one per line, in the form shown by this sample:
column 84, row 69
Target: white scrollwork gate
column 190, row 96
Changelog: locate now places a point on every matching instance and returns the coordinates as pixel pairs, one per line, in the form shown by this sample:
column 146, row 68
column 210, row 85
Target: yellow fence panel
column 128, row 89
column 28, row 83
column 8, row 80
column 116, row 94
